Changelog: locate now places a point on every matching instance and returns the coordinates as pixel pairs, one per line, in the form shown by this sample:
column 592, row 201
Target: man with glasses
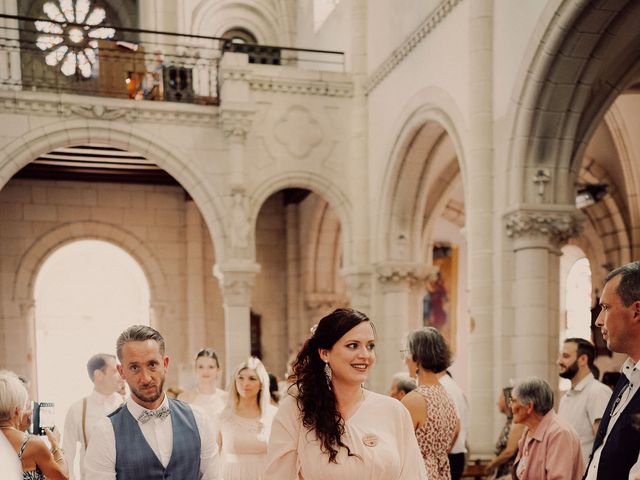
column 617, row 444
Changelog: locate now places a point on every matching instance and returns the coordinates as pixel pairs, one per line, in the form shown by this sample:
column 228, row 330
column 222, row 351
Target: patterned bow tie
column 160, row 413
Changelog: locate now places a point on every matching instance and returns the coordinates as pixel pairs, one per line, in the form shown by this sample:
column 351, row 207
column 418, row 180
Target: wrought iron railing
column 47, row 55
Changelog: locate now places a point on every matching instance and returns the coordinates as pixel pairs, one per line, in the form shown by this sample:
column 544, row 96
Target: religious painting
column 440, row 300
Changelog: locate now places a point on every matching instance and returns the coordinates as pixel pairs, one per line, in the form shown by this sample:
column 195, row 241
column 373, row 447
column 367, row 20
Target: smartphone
column 43, row 417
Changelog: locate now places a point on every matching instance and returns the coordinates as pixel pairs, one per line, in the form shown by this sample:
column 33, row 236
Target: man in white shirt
column 459, row 448
column 85, row 413
column 616, row 448
column 584, row 404
column 152, row 436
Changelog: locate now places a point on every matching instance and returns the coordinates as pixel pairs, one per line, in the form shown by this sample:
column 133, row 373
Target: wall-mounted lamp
column 587, row 195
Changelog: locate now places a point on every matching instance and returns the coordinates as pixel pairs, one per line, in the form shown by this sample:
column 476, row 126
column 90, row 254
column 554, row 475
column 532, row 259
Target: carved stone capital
column 237, row 278
column 555, row 226
column 358, row 282
column 410, row 273
column 321, row 301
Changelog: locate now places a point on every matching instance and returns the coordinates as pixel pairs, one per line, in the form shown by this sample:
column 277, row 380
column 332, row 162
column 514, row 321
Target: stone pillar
column 358, row 252
column 196, row 332
column 295, row 330
column 358, row 281
column 479, row 224
column 236, row 278
column 236, row 112
column 400, row 312
column 538, row 234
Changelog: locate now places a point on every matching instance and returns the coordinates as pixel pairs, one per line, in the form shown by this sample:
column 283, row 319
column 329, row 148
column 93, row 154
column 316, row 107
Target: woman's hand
column 490, row 469
column 53, row 434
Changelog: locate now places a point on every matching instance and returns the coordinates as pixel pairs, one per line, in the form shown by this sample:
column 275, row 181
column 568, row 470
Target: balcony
column 45, row 55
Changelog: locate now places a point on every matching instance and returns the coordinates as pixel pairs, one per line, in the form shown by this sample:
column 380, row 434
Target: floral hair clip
column 313, row 329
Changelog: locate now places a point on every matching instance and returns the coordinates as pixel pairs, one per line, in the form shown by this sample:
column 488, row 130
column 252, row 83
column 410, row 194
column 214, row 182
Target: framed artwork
column 440, row 300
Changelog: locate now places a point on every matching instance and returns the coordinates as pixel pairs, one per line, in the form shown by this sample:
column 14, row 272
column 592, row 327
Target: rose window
column 71, row 38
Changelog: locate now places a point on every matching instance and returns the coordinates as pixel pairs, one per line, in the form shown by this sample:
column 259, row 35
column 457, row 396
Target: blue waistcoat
column 620, row 451
column 136, row 461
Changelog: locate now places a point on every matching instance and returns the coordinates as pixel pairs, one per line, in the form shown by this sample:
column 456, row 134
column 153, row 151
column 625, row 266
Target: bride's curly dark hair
column 316, row 399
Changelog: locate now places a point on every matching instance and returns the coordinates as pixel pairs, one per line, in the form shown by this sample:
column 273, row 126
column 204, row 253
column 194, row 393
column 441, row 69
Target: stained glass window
column 69, row 40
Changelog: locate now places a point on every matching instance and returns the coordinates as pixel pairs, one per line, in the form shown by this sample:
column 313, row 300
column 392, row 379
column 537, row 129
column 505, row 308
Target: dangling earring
column 328, row 374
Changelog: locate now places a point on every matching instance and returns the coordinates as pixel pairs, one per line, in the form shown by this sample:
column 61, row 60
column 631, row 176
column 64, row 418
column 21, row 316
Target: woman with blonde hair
column 245, row 423
column 38, row 462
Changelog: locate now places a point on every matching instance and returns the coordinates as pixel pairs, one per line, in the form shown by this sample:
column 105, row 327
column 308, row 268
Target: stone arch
column 620, row 134
column 441, row 200
column 568, row 81
column 607, row 218
column 34, row 257
column 437, row 124
column 215, row 18
column 40, row 140
column 316, row 183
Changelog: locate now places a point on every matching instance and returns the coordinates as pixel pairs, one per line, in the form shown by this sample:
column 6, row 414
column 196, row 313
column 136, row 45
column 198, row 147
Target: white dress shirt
column 100, row 460
column 462, row 409
column 582, row 406
column 98, row 407
column 632, row 372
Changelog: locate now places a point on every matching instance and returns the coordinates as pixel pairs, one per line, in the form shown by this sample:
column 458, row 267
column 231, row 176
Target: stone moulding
column 558, row 226
column 97, row 108
column 395, row 272
column 301, row 87
column 399, row 54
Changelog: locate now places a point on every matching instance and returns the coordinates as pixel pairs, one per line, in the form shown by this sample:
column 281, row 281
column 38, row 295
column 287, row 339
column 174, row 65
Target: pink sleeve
column 564, row 457
column 282, row 450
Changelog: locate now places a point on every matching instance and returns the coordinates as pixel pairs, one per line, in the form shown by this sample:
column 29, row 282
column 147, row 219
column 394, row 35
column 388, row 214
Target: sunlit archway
column 86, row 293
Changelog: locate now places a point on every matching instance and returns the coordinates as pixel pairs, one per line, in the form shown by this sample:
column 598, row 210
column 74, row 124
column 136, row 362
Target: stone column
column 236, row 279
column 196, row 332
column 479, row 224
column 358, row 252
column 538, row 234
column 400, row 312
column 295, row 330
column 359, row 282
column 236, row 112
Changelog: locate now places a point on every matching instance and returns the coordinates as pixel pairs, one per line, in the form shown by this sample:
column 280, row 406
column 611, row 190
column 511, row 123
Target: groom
column 151, row 436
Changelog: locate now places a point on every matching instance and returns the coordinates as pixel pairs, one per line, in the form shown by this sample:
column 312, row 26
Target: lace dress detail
column 31, row 474
column 435, row 436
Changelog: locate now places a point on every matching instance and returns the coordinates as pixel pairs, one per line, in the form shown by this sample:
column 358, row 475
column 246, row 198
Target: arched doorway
column 86, row 293
column 299, row 241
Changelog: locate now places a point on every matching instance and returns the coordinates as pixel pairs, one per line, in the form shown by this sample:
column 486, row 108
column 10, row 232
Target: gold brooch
column 370, row 439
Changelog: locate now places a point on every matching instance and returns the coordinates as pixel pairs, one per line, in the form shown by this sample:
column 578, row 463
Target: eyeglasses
column 404, row 353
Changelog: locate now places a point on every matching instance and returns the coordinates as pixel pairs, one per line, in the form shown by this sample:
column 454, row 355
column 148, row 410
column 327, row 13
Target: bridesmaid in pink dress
column 432, row 410
column 328, row 426
column 245, row 423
